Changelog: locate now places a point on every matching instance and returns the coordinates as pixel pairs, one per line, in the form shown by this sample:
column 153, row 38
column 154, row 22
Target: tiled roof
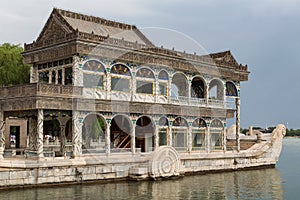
column 103, row 27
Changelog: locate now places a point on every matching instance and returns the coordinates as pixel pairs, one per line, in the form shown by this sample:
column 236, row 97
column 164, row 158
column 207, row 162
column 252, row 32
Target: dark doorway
column 14, row 137
column 144, row 133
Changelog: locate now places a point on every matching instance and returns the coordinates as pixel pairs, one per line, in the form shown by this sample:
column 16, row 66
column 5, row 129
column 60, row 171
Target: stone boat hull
column 164, row 162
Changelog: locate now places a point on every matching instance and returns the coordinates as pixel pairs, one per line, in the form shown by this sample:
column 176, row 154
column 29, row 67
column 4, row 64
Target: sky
column 264, row 34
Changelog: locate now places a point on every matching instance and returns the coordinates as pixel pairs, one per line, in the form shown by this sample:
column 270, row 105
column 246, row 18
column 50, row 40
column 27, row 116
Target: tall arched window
column 216, row 89
column 120, row 78
column 163, row 80
column 231, row 89
column 163, row 124
column 144, row 81
column 120, row 131
column 93, row 133
column 216, row 134
column 179, row 134
column 198, row 134
column 198, row 89
column 93, row 74
column 179, row 87
column 144, row 133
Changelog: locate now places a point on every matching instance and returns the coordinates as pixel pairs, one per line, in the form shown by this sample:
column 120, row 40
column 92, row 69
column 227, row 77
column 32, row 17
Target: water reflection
column 254, row 184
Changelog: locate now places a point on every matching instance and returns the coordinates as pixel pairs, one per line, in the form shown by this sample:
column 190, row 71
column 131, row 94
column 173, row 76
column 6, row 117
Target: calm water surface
column 283, row 182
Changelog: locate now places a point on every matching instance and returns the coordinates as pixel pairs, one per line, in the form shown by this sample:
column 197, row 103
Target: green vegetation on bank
column 12, row 69
column 289, row 132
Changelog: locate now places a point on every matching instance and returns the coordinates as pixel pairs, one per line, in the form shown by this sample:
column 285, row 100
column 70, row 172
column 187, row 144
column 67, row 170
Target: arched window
column 198, row 89
column 120, row 131
column 216, row 90
column 93, row 133
column 179, row 134
column 216, row 134
column 198, row 134
column 179, row 87
column 163, row 124
column 93, row 74
column 94, row 65
column 163, row 80
column 144, row 133
column 144, row 81
column 231, row 90
column 120, row 78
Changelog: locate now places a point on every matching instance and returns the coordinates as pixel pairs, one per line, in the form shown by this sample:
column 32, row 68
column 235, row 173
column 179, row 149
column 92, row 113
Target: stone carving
column 276, row 141
column 164, row 163
column 32, row 133
column 40, row 127
column 77, row 72
column 77, row 134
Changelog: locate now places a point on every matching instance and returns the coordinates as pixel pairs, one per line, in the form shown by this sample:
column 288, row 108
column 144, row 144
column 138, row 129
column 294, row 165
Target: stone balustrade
column 41, row 89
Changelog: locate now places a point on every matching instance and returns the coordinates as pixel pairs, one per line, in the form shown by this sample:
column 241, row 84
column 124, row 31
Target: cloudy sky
column 264, row 34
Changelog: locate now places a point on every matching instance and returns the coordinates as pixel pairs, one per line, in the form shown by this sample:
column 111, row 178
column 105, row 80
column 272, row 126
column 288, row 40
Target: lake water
column 282, row 182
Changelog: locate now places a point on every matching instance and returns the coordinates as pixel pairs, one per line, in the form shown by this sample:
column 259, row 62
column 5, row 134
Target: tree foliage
column 12, row 69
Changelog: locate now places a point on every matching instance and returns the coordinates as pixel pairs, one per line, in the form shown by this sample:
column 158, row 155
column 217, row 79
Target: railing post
column 238, row 102
column 40, row 128
column 77, row 134
column 207, row 138
column 107, row 137
column 133, row 150
column 2, row 134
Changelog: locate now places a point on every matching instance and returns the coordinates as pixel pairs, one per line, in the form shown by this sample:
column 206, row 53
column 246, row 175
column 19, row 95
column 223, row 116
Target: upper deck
column 63, row 97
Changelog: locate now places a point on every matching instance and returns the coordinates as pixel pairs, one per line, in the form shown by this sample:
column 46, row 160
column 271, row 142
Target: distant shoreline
column 292, row 137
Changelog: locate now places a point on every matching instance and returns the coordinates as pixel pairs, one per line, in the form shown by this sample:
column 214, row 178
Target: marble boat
column 105, row 103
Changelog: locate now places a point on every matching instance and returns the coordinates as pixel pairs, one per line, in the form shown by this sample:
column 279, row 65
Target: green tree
column 12, row 69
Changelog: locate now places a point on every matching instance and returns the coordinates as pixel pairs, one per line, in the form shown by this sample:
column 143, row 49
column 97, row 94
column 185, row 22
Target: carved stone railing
column 69, row 91
column 198, row 102
column 18, row 91
column 59, row 90
column 216, row 103
column 36, row 89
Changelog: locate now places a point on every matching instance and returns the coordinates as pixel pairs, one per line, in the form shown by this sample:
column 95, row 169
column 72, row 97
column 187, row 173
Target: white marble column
column 50, row 77
column 63, row 139
column 63, row 123
column 56, row 77
column 63, row 76
column 107, row 138
column 156, row 137
column 207, row 137
column 170, row 89
column 34, row 78
column 2, row 134
column 108, row 84
column 170, row 136
column 133, row 150
column 224, row 139
column 156, row 88
column 238, row 124
column 77, row 135
column 189, row 141
column 40, row 133
column 207, row 94
column 133, row 85
column 77, row 71
column 189, row 91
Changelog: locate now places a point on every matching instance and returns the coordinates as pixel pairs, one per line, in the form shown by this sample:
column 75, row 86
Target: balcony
column 68, row 91
column 200, row 102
